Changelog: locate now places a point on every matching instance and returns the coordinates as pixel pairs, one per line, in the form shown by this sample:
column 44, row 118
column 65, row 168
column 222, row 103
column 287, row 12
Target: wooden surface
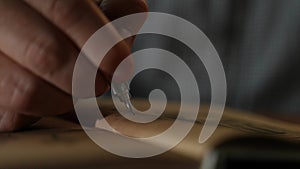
column 55, row 143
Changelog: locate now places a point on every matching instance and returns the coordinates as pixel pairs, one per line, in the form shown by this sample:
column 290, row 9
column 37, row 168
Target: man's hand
column 39, row 44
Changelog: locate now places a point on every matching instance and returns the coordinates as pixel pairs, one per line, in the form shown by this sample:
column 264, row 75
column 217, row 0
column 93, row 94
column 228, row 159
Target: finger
column 15, row 121
column 79, row 20
column 21, row 91
column 115, row 9
column 33, row 42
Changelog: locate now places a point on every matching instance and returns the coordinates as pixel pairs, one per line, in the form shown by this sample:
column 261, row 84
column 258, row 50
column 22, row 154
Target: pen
column 121, row 90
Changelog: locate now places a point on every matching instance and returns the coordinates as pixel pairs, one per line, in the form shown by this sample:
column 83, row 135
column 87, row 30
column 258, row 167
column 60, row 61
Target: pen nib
column 121, row 90
column 129, row 108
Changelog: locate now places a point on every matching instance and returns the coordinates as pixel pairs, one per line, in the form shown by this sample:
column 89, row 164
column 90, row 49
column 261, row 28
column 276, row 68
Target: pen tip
column 129, row 108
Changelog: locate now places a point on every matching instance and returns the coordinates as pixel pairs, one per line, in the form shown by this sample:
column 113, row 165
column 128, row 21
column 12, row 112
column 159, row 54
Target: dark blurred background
column 257, row 41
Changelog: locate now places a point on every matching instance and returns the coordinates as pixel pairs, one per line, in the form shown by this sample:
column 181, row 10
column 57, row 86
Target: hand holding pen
column 39, row 44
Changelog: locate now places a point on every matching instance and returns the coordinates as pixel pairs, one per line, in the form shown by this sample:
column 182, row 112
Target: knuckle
column 22, row 94
column 10, row 121
column 43, row 55
column 59, row 10
column 7, row 124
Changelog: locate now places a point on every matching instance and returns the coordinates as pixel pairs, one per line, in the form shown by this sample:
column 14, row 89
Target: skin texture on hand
column 39, row 45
